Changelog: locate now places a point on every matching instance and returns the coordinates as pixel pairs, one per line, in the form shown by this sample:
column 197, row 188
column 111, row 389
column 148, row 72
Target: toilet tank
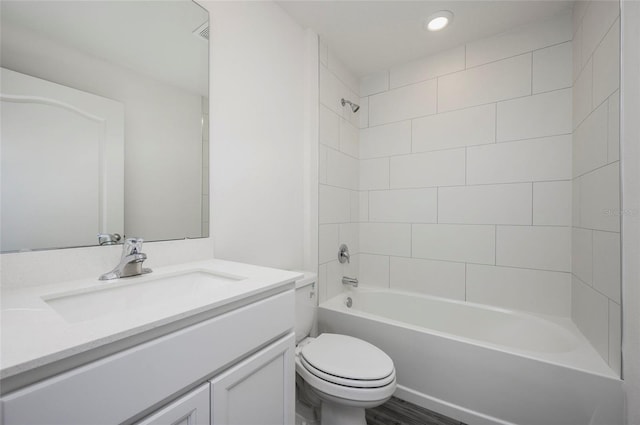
column 306, row 305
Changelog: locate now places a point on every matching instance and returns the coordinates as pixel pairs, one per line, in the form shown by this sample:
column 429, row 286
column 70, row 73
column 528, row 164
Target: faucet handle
column 132, row 246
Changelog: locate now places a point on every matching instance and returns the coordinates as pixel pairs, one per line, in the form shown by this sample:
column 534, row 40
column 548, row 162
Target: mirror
column 104, row 122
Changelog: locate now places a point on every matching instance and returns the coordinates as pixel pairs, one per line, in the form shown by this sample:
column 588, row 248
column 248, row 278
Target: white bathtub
column 479, row 364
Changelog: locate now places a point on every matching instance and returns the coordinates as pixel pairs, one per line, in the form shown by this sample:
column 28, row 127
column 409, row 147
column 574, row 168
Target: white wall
column 630, row 164
column 596, row 294
column 465, row 168
column 159, row 204
column 257, row 133
column 338, row 173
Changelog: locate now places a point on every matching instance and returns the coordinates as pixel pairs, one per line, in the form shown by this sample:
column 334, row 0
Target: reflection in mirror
column 105, row 121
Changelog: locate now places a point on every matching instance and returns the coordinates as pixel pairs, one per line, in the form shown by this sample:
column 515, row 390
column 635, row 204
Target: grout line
column 465, row 281
column 595, row 169
column 531, row 77
column 437, row 205
column 532, row 207
column 495, row 246
column 506, row 266
column 495, row 124
column 465, row 166
column 468, row 107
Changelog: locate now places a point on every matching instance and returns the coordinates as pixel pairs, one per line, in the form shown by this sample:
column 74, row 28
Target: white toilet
column 344, row 374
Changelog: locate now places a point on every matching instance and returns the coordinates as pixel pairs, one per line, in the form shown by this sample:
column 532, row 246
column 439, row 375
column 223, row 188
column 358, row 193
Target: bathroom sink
column 129, row 295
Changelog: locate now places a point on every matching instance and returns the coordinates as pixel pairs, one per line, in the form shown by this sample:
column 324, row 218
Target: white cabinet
column 248, row 351
column 190, row 409
column 258, row 390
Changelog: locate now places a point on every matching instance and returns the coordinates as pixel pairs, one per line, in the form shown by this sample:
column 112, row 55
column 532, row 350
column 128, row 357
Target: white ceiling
column 153, row 38
column 371, row 36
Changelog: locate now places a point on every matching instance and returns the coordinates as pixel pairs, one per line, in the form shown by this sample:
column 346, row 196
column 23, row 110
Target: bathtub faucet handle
column 353, row 281
column 343, row 254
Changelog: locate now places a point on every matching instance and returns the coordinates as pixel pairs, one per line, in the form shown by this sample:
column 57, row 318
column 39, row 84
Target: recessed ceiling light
column 438, row 20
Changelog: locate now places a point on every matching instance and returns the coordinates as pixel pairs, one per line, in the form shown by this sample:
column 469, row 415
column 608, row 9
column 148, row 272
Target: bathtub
column 481, row 364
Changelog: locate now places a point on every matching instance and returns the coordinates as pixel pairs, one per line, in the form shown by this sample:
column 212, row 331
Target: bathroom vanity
column 203, row 343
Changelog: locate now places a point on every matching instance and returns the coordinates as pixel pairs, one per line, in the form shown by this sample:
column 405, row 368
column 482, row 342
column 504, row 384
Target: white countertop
column 36, row 335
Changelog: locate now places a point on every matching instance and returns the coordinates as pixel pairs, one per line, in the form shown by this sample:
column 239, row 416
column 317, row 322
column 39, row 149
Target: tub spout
column 353, row 281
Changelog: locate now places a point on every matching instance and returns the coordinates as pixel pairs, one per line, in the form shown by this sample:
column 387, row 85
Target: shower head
column 354, row 107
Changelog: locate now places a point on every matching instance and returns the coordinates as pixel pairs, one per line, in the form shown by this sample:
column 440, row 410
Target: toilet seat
column 347, row 368
column 347, row 357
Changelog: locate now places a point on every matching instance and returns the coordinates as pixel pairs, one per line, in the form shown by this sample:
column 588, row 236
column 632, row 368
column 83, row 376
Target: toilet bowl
column 346, row 374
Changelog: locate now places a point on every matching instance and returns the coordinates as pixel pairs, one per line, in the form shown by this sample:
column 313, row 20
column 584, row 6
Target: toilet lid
column 347, row 357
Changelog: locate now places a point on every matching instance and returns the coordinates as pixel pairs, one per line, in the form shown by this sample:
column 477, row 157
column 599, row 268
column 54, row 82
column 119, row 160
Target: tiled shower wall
column 338, row 173
column 465, row 172
column 596, row 182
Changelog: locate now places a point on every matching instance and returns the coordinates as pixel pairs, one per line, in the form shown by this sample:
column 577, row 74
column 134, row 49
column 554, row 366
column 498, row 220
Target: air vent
column 202, row 31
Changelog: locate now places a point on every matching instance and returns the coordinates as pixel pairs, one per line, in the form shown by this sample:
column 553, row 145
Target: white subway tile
column 541, row 159
column 466, row 127
column 575, row 202
column 537, row 291
column 438, row 278
column 590, row 142
column 329, row 123
column 486, row 204
column 577, row 52
column 334, row 205
column 614, row 128
column 323, row 52
column 582, row 254
column 354, row 201
column 540, row 115
column 600, row 199
column 579, row 8
column 552, row 203
column 449, row 61
column 385, row 140
column 322, row 164
column 606, row 65
column 590, row 312
column 505, row 79
column 534, row 247
column 342, row 170
column 582, row 94
column 374, row 83
column 408, row 102
column 350, row 236
column 403, row 206
column 337, row 66
column 385, row 239
column 332, row 90
column 615, row 337
column 552, row 68
column 352, row 268
column 363, row 113
column 598, row 18
column 363, row 201
column 349, row 136
column 441, row 168
column 374, row 270
column 328, row 242
column 322, row 282
column 520, row 40
column 334, row 284
column 606, row 264
column 374, row 174
column 464, row 243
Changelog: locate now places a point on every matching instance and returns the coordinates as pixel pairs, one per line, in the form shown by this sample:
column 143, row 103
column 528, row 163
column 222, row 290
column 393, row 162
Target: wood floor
column 400, row 412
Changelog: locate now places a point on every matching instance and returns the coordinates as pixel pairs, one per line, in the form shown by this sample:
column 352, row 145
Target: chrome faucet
column 130, row 262
column 353, row 281
column 343, row 254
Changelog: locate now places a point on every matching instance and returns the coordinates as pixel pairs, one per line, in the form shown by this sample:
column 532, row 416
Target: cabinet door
column 190, row 409
column 258, row 390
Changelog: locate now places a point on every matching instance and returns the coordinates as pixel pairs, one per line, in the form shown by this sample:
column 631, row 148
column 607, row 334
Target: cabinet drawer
column 118, row 387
